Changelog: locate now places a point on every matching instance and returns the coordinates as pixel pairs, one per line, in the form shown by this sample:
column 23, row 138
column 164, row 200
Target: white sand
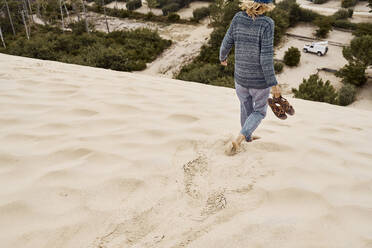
column 98, row 158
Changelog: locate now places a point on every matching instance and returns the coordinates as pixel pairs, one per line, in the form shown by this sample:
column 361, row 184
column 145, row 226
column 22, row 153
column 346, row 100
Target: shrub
column 345, row 24
column 363, row 28
column 315, row 89
column 292, row 56
column 350, row 12
column 294, row 14
column 348, row 3
column 281, row 19
column 118, row 50
column 200, row 13
column 124, row 13
column 226, row 81
column 80, row 28
column 359, row 50
column 172, row 7
column 324, row 24
column 346, row 95
column 308, row 15
column 341, row 14
column 133, row 4
column 353, row 73
column 319, row 1
column 173, row 17
column 149, row 16
column 278, row 67
column 206, row 73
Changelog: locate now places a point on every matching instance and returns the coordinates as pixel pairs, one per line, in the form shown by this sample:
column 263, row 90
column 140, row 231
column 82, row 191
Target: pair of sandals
column 280, row 107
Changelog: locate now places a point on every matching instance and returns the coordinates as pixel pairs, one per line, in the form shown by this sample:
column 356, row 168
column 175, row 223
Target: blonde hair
column 254, row 9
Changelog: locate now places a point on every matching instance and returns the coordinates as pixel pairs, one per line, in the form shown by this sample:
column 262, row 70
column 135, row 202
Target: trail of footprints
column 200, row 176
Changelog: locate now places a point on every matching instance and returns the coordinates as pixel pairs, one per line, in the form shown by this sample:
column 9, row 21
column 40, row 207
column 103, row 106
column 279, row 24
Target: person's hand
column 224, row 63
column 276, row 91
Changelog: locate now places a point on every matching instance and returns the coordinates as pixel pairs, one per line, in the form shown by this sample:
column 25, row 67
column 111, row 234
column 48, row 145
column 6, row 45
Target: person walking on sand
column 252, row 34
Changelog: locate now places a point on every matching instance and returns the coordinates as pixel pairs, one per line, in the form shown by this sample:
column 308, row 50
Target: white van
column 320, row 48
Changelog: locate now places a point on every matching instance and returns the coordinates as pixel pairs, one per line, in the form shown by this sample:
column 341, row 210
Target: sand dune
column 99, row 158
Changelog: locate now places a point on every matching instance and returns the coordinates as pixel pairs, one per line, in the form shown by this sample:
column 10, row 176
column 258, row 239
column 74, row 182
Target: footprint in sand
column 215, row 202
column 194, row 171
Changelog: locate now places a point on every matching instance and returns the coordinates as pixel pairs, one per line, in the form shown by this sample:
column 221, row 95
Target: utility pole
column 25, row 15
column 76, row 9
column 85, row 16
column 2, row 38
column 60, row 8
column 38, row 14
column 104, row 11
column 29, row 6
column 10, row 17
column 24, row 22
column 68, row 14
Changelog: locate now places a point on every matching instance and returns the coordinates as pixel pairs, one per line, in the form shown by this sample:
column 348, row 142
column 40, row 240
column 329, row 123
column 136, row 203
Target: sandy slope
column 98, row 158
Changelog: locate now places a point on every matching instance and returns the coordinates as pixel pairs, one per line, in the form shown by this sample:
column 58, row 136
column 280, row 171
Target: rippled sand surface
column 98, row 158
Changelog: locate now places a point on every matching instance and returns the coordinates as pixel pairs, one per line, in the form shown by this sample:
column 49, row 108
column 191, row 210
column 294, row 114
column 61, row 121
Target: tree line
column 73, row 41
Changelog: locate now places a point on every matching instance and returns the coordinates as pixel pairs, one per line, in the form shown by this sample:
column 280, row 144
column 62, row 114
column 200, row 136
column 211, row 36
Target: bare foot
column 232, row 148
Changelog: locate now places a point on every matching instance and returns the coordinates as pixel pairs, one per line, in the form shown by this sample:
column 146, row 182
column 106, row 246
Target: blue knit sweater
column 254, row 50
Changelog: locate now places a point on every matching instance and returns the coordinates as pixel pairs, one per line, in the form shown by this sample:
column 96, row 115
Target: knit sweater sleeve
column 267, row 55
column 227, row 42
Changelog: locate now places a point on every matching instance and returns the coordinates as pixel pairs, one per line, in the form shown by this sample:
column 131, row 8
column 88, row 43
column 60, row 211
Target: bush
column 278, row 67
column 353, row 73
column 359, row 50
column 341, row 14
column 149, row 16
column 200, row 13
column 363, row 28
column 206, row 73
column 319, row 1
column 80, row 28
column 173, row 17
column 345, row 24
column 294, row 14
column 226, row 81
column 118, row 50
column 308, row 15
column 350, row 12
column 281, row 19
column 133, row 4
column 324, row 24
column 172, row 7
column 348, row 3
column 292, row 56
column 123, row 13
column 315, row 89
column 346, row 95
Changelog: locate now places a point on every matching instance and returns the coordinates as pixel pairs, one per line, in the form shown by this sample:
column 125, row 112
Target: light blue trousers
column 253, row 107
